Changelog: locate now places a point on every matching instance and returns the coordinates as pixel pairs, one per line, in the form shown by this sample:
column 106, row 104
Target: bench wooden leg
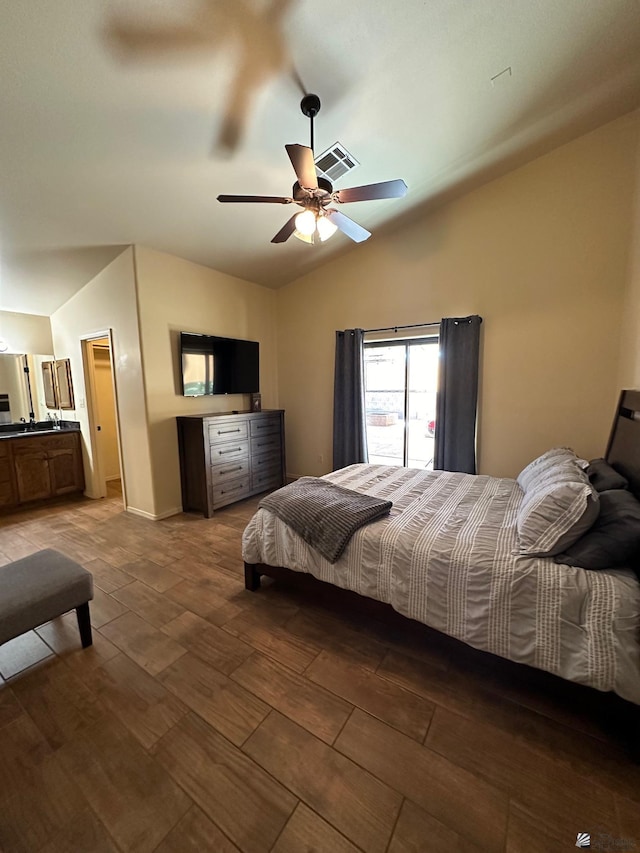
column 84, row 624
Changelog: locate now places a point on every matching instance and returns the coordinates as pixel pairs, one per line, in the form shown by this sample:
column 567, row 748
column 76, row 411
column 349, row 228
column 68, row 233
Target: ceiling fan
column 314, row 194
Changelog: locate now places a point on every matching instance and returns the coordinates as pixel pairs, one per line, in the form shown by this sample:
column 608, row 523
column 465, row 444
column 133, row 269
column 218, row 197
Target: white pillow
column 558, row 507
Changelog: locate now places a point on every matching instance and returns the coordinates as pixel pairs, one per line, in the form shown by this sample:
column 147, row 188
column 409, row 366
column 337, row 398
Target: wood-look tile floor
column 209, row 718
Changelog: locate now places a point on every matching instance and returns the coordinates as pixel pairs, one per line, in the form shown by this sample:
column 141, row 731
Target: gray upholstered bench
column 41, row 587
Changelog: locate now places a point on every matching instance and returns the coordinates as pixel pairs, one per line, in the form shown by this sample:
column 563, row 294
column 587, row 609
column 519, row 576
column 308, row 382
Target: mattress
column 447, row 556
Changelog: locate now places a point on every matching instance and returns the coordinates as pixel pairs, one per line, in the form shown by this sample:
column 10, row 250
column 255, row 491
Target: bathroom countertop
column 27, row 432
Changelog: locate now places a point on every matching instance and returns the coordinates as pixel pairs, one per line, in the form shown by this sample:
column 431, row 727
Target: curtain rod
column 395, row 328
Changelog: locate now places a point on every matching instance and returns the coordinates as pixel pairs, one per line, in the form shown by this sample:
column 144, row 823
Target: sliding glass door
column 400, row 392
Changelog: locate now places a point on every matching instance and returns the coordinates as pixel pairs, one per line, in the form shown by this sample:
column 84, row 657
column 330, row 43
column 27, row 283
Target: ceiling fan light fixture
column 306, row 238
column 306, row 223
column 326, row 228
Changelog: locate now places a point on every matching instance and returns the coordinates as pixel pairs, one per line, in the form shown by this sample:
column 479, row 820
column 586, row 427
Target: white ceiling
column 117, row 119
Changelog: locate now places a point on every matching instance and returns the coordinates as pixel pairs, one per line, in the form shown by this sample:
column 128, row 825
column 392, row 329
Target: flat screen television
column 212, row 365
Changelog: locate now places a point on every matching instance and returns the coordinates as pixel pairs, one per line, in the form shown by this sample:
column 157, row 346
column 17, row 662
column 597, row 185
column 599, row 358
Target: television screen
column 212, row 365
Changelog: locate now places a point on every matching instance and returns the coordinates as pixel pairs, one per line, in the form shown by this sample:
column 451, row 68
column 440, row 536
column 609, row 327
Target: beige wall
column 630, row 337
column 176, row 295
column 26, row 333
column 109, row 301
column 542, row 254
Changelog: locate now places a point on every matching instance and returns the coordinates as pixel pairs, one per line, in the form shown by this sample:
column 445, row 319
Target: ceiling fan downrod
column 310, row 106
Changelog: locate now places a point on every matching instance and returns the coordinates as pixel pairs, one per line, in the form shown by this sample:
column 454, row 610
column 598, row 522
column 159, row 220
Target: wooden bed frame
column 623, row 454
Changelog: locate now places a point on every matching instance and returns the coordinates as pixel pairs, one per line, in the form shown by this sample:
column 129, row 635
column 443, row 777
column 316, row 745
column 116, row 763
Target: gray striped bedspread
column 446, row 555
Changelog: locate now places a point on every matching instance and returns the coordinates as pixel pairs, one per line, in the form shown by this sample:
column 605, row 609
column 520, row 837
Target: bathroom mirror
column 22, row 392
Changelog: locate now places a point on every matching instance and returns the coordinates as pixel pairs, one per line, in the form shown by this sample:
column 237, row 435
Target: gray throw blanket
column 325, row 515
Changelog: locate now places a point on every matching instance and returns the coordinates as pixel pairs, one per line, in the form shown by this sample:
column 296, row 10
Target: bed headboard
column 623, row 450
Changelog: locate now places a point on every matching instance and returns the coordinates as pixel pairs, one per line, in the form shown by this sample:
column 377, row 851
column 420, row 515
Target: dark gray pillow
column 603, row 477
column 614, row 539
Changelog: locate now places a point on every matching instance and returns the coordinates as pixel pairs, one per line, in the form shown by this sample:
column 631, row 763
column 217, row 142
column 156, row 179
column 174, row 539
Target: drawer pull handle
column 226, row 431
column 232, row 450
column 234, row 489
column 229, row 470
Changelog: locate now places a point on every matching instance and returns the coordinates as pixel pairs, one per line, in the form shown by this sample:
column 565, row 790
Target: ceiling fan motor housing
column 325, row 188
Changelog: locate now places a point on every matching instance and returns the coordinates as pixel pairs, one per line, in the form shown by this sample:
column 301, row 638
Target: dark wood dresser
column 227, row 457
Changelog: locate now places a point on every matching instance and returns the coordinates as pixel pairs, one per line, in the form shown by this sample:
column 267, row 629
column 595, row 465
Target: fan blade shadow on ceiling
column 256, row 31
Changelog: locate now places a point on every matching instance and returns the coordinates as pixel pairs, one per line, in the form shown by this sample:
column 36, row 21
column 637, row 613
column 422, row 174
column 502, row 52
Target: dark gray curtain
column 457, row 401
column 349, row 426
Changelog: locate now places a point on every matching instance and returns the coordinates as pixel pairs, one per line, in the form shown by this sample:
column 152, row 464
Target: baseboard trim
column 151, row 516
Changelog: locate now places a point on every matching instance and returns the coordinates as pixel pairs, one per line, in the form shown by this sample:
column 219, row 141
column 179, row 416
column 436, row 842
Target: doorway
column 103, row 420
column 401, row 384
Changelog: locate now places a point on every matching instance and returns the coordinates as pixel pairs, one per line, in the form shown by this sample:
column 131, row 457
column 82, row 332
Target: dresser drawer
column 262, row 481
column 265, row 443
column 269, row 461
column 228, row 431
column 234, row 490
column 230, row 470
column 264, row 426
column 228, row 451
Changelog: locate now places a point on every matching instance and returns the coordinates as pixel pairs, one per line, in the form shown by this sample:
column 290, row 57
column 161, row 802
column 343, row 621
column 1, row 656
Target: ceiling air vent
column 335, row 162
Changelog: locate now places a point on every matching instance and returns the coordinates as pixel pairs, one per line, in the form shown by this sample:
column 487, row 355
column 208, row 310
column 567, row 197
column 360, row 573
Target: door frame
column 88, row 363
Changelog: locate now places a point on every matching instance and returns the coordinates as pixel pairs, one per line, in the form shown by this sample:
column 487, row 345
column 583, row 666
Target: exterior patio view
column 400, row 393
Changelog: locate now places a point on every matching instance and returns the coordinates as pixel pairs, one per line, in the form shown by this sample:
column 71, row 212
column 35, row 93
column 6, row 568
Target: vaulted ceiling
column 121, row 122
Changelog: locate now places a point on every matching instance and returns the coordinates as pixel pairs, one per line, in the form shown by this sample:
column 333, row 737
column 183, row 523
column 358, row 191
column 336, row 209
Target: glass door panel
column 423, row 378
column 400, row 395
column 385, row 376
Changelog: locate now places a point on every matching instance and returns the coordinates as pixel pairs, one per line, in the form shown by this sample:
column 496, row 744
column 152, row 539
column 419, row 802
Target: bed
column 449, row 555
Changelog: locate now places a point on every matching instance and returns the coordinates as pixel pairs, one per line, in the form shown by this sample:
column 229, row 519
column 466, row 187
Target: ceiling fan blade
column 357, row 233
column 385, row 189
column 286, row 231
column 265, row 199
column 302, row 161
